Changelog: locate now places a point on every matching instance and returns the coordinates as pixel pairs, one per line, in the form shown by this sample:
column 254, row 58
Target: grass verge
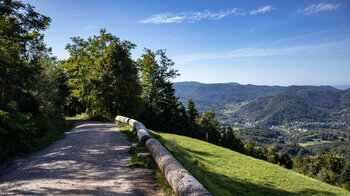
column 226, row 172
column 98, row 117
column 160, row 180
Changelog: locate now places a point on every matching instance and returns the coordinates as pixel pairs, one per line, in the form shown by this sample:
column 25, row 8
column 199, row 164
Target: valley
column 311, row 120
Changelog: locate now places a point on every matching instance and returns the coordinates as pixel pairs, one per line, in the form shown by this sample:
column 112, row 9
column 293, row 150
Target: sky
column 299, row 42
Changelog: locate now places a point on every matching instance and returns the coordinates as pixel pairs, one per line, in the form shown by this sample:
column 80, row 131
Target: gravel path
column 92, row 159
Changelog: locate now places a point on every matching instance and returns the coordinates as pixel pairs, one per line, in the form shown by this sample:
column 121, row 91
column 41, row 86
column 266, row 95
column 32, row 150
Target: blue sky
column 299, row 42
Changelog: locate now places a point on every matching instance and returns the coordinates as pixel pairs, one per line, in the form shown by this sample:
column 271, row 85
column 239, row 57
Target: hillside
column 297, row 103
column 221, row 97
column 225, row 172
column 345, row 99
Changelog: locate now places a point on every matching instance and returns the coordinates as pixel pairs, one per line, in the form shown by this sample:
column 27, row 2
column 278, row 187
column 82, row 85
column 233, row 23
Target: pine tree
column 182, row 123
column 192, row 116
column 192, row 111
column 250, row 148
column 272, row 156
column 229, row 140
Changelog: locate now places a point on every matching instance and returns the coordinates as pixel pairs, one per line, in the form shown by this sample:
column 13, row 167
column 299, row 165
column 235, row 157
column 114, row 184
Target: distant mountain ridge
column 270, row 104
column 217, row 96
column 297, row 103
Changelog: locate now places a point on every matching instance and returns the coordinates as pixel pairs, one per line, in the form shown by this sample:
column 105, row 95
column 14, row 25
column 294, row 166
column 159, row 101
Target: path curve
column 92, row 159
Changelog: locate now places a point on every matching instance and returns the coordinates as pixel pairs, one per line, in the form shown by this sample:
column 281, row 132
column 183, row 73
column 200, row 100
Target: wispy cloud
column 190, row 17
column 260, row 52
column 323, row 32
column 315, row 8
column 262, row 10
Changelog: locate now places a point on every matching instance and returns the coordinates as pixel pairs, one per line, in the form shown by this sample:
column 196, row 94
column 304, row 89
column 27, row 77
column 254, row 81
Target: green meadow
column 226, row 172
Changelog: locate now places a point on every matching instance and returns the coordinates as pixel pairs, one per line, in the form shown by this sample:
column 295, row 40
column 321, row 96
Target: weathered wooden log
column 180, row 180
column 142, row 132
column 143, row 136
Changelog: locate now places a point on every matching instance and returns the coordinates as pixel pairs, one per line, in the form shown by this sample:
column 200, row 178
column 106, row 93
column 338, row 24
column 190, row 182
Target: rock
column 143, row 155
column 134, row 145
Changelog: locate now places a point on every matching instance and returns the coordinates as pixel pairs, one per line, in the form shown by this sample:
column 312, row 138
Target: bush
column 17, row 134
column 21, row 133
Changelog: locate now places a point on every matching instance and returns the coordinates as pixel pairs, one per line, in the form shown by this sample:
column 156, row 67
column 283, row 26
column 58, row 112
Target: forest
column 37, row 92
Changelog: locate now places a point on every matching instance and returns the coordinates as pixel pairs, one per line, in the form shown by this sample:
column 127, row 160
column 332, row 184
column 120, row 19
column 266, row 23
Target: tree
column 102, row 76
column 250, row 148
column 21, row 45
column 301, row 163
column 345, row 176
column 192, row 116
column 158, row 92
column 119, row 88
column 229, row 140
column 272, row 156
column 286, row 160
column 31, row 87
column 209, row 124
column 192, row 111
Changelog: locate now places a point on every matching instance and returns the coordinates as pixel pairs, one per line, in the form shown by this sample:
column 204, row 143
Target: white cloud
column 190, row 17
column 260, row 52
column 262, row 10
column 315, row 8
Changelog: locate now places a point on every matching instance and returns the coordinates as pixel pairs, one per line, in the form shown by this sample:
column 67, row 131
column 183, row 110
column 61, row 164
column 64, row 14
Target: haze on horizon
column 264, row 43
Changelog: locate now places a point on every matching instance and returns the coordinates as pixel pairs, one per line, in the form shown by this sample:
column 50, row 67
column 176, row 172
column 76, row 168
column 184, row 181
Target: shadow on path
column 92, row 159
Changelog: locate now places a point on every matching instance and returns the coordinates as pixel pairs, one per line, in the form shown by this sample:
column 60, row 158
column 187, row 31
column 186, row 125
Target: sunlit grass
column 225, row 172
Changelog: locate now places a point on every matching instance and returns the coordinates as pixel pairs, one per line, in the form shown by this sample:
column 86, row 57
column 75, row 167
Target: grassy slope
column 225, row 172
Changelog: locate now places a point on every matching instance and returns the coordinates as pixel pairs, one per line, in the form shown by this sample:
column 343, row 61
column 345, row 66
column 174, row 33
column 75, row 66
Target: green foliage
column 192, row 111
column 32, row 87
column 327, row 168
column 162, row 111
column 286, row 160
column 21, row 45
column 21, row 133
column 193, row 118
column 229, row 140
column 209, row 124
column 17, row 132
column 345, row 176
column 102, row 77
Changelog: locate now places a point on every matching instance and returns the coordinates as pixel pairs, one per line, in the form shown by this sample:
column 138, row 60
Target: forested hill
column 298, row 103
column 221, row 95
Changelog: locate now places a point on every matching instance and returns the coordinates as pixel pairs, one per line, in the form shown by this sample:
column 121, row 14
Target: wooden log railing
column 180, row 180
